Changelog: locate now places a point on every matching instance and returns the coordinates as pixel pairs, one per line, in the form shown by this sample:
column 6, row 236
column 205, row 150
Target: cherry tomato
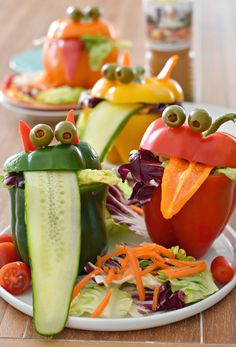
column 222, row 270
column 15, row 277
column 8, row 253
column 6, row 238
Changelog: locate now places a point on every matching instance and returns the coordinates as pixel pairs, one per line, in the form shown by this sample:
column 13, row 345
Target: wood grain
column 215, row 83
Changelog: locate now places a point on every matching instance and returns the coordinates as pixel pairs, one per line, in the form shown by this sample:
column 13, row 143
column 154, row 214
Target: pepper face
column 193, row 204
column 202, row 219
column 123, row 86
column 65, row 59
column 60, row 158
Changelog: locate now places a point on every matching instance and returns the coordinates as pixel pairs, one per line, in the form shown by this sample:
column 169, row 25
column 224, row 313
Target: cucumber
column 52, row 213
column 104, row 124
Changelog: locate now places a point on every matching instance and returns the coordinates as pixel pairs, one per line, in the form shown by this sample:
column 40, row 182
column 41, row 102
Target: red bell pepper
column 204, row 214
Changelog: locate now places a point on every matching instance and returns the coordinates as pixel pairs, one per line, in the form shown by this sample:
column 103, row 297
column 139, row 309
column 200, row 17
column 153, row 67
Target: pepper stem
column 218, row 122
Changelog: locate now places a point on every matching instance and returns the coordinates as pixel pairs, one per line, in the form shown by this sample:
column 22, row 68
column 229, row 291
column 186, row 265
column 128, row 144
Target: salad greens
column 196, row 287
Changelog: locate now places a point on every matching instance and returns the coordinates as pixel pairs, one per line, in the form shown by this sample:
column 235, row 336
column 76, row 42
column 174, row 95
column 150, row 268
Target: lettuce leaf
column 228, row 172
column 196, row 287
column 91, row 296
column 60, row 95
column 89, row 176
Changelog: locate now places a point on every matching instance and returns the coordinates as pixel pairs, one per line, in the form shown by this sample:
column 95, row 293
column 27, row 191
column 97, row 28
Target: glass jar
column 168, row 25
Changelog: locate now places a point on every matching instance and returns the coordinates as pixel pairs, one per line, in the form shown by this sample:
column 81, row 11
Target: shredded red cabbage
column 147, row 172
column 167, row 300
column 118, row 206
column 14, row 179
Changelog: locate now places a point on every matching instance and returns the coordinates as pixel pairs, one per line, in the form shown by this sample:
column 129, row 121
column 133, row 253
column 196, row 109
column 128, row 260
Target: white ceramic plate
column 225, row 245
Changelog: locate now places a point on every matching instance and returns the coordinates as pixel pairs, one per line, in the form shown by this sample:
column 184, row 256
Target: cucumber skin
column 93, row 229
column 18, row 226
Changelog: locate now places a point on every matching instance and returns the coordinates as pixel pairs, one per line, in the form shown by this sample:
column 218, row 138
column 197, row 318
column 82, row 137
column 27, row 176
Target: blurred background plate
column 27, row 61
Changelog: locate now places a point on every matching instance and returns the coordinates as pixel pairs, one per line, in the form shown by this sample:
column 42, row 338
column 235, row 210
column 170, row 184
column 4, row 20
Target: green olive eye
column 108, row 71
column 74, row 13
column 174, row 116
column 199, row 120
column 65, row 132
column 93, row 12
column 41, row 135
column 124, row 74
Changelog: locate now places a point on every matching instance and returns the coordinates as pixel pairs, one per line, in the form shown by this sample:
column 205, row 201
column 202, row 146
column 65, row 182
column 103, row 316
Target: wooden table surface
column 215, row 83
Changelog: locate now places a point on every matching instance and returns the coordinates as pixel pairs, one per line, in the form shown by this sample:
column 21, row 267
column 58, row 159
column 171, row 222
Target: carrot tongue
column 180, row 182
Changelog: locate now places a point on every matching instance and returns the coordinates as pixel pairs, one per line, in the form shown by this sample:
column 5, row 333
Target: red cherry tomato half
column 15, row 277
column 222, row 270
column 6, row 238
column 8, row 253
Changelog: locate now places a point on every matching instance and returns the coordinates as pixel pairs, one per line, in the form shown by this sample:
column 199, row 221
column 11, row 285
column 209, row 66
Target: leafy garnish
column 227, row 171
column 146, row 170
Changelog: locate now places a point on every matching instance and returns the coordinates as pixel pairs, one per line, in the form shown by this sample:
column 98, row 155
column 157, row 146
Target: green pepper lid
column 59, row 157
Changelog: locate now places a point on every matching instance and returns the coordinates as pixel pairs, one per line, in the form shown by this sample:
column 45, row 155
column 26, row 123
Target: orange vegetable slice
column 126, row 59
column 180, row 182
column 165, row 73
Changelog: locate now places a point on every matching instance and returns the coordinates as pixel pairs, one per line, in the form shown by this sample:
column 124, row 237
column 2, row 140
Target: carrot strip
column 84, row 281
column 149, row 255
column 154, row 266
column 24, row 131
column 71, row 118
column 180, row 182
column 101, row 307
column 155, row 298
column 136, row 209
column 136, row 272
column 102, row 260
column 164, row 251
column 126, row 59
column 181, row 263
column 168, row 67
column 110, row 276
column 185, row 271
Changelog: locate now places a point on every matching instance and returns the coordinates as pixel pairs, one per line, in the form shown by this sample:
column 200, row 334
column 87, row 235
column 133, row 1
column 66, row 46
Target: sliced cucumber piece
column 105, row 123
column 52, row 205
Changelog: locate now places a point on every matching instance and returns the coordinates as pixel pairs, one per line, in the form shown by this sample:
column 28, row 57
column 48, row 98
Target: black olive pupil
column 172, row 117
column 66, row 136
column 196, row 124
column 40, row 133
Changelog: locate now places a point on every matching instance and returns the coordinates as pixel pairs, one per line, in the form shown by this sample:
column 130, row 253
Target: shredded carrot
column 102, row 260
column 153, row 266
column 101, row 307
column 164, row 251
column 181, row 263
column 184, row 271
column 155, row 298
column 136, row 272
column 136, row 209
column 84, row 281
column 110, row 276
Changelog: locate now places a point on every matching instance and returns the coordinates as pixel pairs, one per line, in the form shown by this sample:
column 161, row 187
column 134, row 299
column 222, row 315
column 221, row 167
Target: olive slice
column 65, row 132
column 41, row 135
column 199, row 120
column 124, row 74
column 108, row 71
column 74, row 13
column 93, row 12
column 174, row 116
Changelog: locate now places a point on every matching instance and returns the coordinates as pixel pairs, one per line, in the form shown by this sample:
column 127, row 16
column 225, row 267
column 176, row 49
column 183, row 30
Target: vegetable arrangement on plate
column 73, row 52
column 58, row 225
column 121, row 105
column 185, row 178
